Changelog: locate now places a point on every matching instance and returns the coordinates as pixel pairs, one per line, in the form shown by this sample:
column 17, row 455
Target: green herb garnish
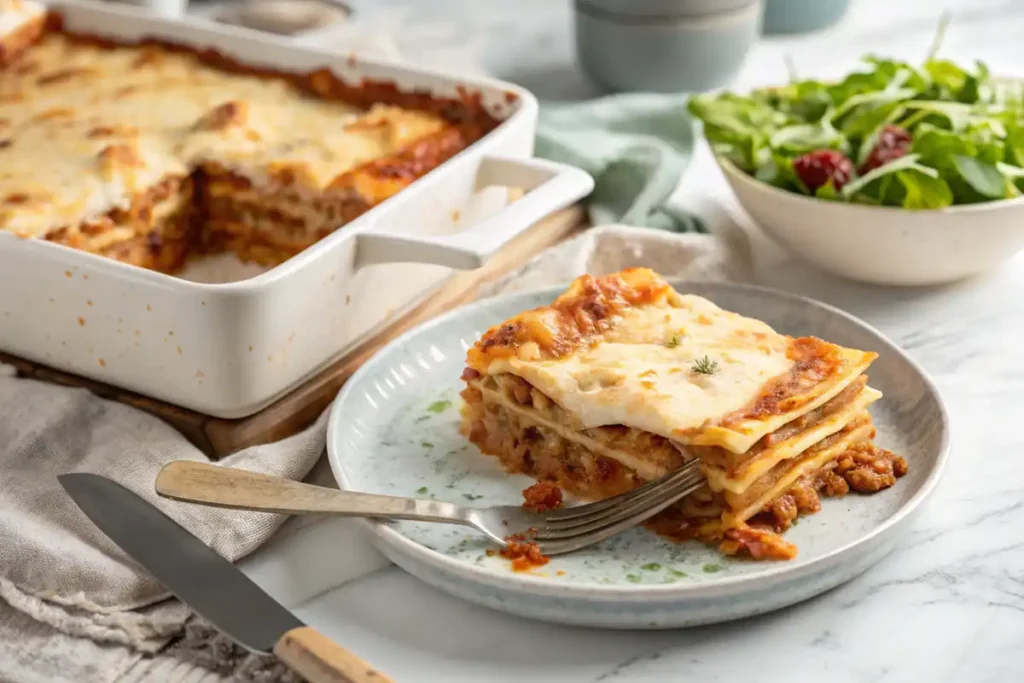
column 421, row 490
column 712, row 568
column 634, row 578
column 651, row 567
column 922, row 136
column 705, row 366
column 439, row 406
column 426, row 444
column 674, row 341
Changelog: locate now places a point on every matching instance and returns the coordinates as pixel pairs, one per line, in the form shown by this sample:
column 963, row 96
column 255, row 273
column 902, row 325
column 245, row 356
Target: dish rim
column 525, row 583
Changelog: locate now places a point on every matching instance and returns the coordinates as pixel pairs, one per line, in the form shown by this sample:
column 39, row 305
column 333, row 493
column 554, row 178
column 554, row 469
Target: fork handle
column 217, row 486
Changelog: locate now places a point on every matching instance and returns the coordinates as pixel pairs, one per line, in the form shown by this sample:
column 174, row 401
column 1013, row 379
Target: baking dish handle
column 549, row 186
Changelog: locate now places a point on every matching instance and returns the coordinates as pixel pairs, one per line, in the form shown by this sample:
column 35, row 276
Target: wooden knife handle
column 318, row 659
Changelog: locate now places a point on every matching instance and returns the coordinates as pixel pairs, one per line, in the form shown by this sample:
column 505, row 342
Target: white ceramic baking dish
column 230, row 349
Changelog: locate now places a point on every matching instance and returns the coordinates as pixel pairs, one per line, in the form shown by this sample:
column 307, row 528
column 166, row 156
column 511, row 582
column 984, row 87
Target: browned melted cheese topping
column 627, row 349
column 814, row 361
column 87, row 125
column 575, row 319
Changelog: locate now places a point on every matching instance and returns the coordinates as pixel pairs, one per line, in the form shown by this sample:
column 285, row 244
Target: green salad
column 893, row 134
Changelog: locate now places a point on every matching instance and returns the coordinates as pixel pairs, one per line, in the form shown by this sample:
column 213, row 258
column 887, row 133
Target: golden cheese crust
column 627, row 349
column 21, row 24
column 575, row 319
column 88, row 127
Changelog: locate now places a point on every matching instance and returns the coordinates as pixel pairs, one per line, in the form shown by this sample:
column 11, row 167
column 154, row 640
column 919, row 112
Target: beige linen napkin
column 59, row 569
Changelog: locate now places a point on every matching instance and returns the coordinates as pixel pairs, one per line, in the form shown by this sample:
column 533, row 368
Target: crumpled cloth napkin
column 58, row 568
column 636, row 146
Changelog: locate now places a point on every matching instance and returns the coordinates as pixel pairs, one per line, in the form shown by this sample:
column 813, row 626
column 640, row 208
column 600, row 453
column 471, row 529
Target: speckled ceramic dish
column 394, row 430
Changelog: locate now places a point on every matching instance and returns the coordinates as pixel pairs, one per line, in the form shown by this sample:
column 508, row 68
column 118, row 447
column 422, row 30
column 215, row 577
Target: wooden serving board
column 218, row 437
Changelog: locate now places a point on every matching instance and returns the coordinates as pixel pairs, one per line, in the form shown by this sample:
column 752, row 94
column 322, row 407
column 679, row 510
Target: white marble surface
column 947, row 606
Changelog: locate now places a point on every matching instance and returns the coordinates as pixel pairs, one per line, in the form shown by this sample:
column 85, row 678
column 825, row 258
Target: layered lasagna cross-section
column 622, row 380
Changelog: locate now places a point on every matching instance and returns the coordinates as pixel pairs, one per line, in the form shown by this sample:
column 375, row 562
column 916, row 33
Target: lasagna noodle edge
column 741, row 437
column 809, row 463
column 812, row 460
column 646, row 470
column 719, row 480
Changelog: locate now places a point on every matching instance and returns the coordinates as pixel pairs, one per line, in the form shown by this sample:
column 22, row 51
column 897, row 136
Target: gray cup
column 799, row 16
column 679, row 46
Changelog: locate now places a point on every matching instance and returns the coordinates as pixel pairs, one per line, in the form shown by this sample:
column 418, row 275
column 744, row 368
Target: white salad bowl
column 884, row 245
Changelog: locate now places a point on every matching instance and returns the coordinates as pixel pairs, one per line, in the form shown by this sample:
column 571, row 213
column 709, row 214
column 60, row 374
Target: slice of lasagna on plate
column 622, row 379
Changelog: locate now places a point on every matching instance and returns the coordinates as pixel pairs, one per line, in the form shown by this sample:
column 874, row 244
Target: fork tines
column 569, row 529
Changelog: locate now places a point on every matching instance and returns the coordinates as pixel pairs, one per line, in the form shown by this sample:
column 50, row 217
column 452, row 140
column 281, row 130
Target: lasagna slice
column 622, row 380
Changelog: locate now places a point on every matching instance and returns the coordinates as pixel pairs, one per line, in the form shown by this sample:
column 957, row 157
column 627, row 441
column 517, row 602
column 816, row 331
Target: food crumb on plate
column 542, row 496
column 525, row 555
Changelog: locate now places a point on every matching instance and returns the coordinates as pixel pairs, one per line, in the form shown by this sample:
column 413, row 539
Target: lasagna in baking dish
column 149, row 153
column 622, row 379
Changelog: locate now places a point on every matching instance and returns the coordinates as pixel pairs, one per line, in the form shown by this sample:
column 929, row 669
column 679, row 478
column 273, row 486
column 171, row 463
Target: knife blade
column 209, row 584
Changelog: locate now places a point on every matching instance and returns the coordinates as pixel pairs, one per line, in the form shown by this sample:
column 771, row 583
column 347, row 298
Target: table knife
column 213, row 587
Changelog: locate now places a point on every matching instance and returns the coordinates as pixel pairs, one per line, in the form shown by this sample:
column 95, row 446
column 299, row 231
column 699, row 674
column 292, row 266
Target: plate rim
column 533, row 585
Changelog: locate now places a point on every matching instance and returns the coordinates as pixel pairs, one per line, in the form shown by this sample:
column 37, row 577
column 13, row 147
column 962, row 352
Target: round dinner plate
column 394, row 429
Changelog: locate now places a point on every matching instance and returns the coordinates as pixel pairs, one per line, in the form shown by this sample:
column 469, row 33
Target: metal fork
column 556, row 531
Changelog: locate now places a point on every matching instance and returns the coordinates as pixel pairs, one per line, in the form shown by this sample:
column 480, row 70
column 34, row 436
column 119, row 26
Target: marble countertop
column 948, row 605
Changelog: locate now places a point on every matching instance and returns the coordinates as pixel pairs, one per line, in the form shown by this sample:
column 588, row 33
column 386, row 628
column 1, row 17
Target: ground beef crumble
column 863, row 468
column 542, row 496
column 524, row 554
column 868, row 468
column 761, row 544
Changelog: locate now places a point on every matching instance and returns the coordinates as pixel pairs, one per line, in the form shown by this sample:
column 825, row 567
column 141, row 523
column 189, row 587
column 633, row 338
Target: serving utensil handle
column 319, row 659
column 226, row 487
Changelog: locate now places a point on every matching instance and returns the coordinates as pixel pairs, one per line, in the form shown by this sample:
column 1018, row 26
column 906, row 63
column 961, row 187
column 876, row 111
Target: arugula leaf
column 872, row 99
column 885, row 75
column 1015, row 146
column 977, row 87
column 936, row 148
column 807, row 137
column 1007, row 93
column 910, row 161
column 802, row 101
column 924, row 191
column 1009, row 171
column 828, row 191
column 982, row 176
column 778, row 171
column 736, row 127
column 957, row 114
column 867, row 120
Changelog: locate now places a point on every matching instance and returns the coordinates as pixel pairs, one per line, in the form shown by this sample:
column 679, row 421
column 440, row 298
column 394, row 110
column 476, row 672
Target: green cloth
column 636, row 146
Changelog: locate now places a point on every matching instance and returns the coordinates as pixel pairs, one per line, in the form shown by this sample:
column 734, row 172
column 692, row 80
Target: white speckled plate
column 394, row 430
